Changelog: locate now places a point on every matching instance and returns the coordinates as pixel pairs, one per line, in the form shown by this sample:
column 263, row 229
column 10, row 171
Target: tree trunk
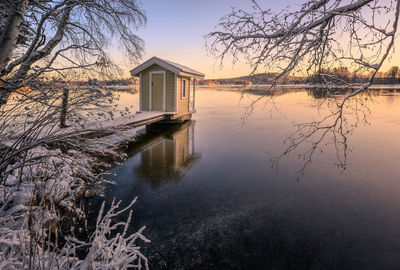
column 64, row 108
column 4, row 94
column 8, row 39
column 11, row 30
column 48, row 48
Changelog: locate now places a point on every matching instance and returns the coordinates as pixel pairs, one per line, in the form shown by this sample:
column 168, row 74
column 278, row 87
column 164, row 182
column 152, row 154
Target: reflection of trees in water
column 338, row 116
column 168, row 154
column 336, row 113
column 323, row 92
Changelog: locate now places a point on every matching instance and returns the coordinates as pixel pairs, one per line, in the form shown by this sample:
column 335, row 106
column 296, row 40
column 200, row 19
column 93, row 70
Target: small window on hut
column 183, row 88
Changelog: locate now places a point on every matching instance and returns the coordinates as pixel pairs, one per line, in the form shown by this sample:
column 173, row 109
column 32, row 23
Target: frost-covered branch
column 105, row 252
column 320, row 34
column 107, row 248
column 309, row 41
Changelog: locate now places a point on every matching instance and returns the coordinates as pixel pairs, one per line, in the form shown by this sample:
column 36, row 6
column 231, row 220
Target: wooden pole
column 64, row 108
column 194, row 93
column 188, row 94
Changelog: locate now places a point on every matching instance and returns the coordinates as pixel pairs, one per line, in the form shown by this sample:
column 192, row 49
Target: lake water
column 211, row 200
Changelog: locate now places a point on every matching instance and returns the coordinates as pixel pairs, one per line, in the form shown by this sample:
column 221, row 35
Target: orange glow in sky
column 175, row 31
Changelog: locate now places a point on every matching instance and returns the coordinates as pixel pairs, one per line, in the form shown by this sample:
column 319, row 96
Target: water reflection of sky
column 222, row 206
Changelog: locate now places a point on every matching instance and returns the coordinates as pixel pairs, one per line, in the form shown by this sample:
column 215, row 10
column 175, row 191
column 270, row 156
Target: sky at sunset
column 175, row 31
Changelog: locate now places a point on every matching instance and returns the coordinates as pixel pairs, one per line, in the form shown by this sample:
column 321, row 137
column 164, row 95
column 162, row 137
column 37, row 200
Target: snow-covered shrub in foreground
column 45, row 170
column 105, row 252
column 20, row 250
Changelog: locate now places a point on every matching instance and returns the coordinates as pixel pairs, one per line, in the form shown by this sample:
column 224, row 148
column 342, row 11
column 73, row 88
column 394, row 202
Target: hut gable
column 171, row 66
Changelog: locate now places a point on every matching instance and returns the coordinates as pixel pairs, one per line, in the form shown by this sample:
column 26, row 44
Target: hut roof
column 174, row 67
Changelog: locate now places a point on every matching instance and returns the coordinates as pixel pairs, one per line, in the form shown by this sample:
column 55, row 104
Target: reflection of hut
column 170, row 156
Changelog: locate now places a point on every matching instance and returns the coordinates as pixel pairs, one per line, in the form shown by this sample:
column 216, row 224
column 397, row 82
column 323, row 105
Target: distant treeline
column 335, row 75
column 122, row 82
column 118, row 82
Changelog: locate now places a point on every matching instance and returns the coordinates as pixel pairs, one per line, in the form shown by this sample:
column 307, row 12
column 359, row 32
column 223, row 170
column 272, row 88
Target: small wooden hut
column 167, row 86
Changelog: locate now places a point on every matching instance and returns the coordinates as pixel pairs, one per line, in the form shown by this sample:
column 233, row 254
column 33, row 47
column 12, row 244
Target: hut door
column 157, row 92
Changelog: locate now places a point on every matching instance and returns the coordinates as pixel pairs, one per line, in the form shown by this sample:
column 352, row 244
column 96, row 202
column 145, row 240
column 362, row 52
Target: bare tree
column 50, row 52
column 47, row 47
column 319, row 34
column 64, row 35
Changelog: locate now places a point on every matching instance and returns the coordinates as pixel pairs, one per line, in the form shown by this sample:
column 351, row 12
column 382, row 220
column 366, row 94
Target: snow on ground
column 31, row 202
column 47, row 172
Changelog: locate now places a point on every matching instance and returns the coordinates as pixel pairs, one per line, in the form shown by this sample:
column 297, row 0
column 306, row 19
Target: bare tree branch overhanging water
column 308, row 41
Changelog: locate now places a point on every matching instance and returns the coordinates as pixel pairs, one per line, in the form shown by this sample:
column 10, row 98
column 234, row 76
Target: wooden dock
column 126, row 126
column 106, row 129
column 139, row 119
column 110, row 126
column 146, row 118
column 132, row 121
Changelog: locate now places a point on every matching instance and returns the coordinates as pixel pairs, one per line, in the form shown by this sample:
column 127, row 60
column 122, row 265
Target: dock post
column 194, row 92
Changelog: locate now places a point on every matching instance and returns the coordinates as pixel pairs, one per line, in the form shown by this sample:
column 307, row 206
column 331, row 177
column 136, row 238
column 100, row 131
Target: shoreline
column 306, row 86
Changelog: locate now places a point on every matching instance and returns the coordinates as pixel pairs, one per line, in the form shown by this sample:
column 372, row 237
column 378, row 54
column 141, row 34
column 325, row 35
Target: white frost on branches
column 118, row 252
column 106, row 249
column 308, row 40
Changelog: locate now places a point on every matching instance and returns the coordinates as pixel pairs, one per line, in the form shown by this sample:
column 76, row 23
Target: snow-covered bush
column 105, row 252
column 45, row 170
column 41, row 191
column 107, row 248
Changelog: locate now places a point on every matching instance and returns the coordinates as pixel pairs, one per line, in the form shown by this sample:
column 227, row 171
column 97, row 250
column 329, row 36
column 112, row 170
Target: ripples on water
column 210, row 199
